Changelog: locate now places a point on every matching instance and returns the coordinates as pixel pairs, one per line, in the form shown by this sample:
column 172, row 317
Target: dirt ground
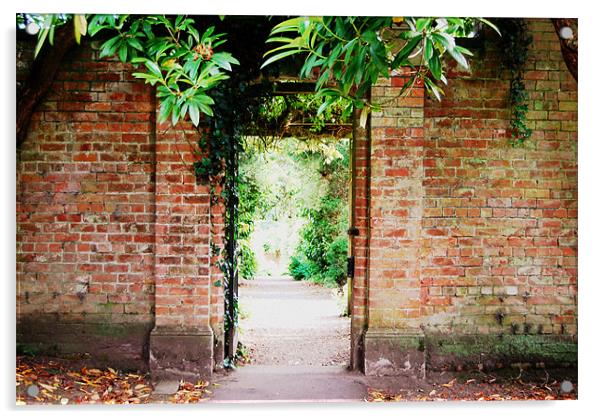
column 287, row 322
column 47, row 380
column 500, row 385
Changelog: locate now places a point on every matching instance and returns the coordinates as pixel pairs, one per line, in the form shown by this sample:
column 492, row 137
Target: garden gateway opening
column 462, row 216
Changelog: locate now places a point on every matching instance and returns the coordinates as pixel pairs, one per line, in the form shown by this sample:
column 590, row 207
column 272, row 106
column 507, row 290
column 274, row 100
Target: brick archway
column 466, row 252
column 386, row 189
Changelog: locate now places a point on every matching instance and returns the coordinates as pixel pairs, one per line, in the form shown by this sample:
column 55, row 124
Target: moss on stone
column 528, row 348
column 107, row 329
column 410, row 342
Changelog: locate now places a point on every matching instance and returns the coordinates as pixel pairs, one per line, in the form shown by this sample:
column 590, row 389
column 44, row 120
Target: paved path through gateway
column 287, row 322
column 299, row 345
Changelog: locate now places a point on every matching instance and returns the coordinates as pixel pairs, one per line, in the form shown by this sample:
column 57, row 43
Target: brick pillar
column 393, row 341
column 360, row 221
column 217, row 276
column 181, row 344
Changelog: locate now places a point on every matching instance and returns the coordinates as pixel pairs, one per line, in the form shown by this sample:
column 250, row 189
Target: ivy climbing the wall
column 514, row 49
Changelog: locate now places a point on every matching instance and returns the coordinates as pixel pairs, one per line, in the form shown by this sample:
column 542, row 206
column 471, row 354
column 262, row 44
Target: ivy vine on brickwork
column 237, row 104
column 514, row 50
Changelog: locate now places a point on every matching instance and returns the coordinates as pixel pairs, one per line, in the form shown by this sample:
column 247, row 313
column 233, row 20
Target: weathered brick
column 462, row 224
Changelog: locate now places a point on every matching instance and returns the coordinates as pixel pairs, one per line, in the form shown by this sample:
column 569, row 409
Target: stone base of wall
column 394, row 352
column 118, row 345
column 218, row 347
column 357, row 358
column 178, row 354
column 488, row 352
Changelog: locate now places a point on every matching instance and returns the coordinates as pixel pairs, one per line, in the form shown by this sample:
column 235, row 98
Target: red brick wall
column 458, row 231
column 395, row 206
column 113, row 229
column 182, row 232
column 85, row 197
column 499, row 232
column 360, row 219
column 469, row 236
column 216, row 308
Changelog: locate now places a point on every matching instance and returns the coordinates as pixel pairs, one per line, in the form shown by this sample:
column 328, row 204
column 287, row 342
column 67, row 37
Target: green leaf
column 434, row 65
column 325, row 105
column 294, row 43
column 292, row 24
column 491, row 25
column 48, row 24
column 191, row 67
column 364, row 116
column 108, row 48
column 203, row 98
column 224, row 59
column 193, row 111
column 41, row 39
column 459, row 58
column 179, row 19
column 149, row 78
column 134, row 43
column 166, row 108
column 51, row 34
column 280, row 56
column 445, row 40
column 282, row 39
column 153, row 68
column 464, row 51
column 423, row 23
column 175, row 115
column 433, row 88
column 406, row 51
column 96, row 24
column 206, row 109
column 428, row 49
column 323, row 78
column 123, row 52
column 122, row 19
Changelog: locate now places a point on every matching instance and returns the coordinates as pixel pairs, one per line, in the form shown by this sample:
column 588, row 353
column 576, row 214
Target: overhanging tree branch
column 40, row 79
column 568, row 46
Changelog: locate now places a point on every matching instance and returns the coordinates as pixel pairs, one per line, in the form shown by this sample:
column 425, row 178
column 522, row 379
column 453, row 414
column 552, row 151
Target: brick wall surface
column 85, row 198
column 472, row 243
column 181, row 233
column 459, row 233
column 395, row 206
column 499, row 232
column 113, row 229
column 359, row 244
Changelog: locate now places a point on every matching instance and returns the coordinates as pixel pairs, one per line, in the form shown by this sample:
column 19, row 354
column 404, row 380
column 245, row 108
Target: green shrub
column 321, row 255
column 298, row 269
column 336, row 258
column 248, row 261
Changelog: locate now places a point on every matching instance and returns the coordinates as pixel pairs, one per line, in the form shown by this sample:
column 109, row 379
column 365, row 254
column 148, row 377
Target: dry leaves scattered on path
column 476, row 390
column 49, row 381
column 191, row 393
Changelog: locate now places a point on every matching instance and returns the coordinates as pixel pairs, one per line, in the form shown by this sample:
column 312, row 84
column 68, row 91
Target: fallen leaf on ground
column 450, row 384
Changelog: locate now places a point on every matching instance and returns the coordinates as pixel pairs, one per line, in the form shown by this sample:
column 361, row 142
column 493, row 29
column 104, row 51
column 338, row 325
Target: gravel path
column 288, row 322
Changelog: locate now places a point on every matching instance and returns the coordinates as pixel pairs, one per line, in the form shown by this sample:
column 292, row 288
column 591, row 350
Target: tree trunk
column 568, row 46
column 40, row 78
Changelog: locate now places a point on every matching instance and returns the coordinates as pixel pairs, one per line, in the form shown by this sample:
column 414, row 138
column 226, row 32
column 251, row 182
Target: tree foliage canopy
column 345, row 55
column 349, row 54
